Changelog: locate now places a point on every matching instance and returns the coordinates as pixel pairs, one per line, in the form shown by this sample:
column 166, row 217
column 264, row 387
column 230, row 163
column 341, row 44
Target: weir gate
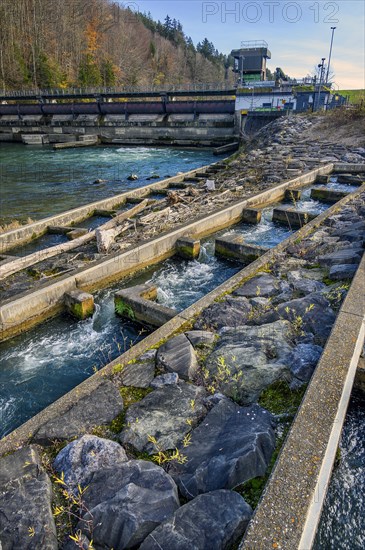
column 197, row 116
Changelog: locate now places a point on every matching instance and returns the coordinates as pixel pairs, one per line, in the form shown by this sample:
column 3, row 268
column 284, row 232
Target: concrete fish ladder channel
column 19, row 314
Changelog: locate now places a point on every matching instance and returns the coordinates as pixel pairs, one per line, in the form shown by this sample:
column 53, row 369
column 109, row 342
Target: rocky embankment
column 172, row 451
column 284, row 149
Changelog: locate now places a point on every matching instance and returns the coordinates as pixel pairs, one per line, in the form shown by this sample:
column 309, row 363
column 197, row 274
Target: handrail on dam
column 210, row 88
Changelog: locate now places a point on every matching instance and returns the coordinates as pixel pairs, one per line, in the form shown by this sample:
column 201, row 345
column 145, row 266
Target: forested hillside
column 59, row 43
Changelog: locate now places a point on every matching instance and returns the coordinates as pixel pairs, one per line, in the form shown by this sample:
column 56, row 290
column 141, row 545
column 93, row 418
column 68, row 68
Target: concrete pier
column 234, row 246
column 136, row 303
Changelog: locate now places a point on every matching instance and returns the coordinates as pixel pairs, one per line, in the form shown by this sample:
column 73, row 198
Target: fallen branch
column 21, row 263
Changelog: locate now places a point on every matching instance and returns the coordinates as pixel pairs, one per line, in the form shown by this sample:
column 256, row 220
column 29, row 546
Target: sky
column 298, row 32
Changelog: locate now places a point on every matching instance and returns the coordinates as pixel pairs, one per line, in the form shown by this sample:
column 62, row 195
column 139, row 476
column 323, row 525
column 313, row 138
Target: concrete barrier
column 327, row 195
column 234, row 246
column 136, row 303
column 291, row 217
column 24, row 433
column 26, row 310
column 252, row 215
column 289, row 512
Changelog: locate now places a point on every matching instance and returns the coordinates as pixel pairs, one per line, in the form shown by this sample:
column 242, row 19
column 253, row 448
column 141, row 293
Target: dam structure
column 203, row 116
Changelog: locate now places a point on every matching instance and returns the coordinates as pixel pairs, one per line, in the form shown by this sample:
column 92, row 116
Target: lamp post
column 329, row 57
column 318, row 98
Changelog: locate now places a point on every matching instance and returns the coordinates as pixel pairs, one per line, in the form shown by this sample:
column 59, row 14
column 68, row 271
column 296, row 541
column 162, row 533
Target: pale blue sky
column 298, row 32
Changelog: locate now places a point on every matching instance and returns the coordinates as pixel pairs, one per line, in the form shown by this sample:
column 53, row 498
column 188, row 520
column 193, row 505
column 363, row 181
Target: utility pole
column 329, row 57
column 321, row 74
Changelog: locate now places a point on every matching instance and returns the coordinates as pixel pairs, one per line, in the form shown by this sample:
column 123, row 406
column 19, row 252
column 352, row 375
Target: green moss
column 117, row 424
column 327, row 281
column 279, row 398
column 131, row 394
column 123, row 309
column 34, row 273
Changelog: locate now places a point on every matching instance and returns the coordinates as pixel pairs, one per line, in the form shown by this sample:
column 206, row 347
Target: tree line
column 48, row 43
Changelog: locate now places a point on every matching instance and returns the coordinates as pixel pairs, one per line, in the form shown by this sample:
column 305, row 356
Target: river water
column 342, row 525
column 38, row 181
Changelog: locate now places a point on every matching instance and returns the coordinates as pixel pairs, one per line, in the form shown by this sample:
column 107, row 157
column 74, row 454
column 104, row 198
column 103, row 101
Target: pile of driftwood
column 173, row 209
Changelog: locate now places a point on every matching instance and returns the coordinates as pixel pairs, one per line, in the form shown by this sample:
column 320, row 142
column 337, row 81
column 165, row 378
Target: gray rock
column 86, row 455
column 248, row 359
column 215, row 520
column 138, row 375
column 304, row 285
column 231, row 312
column 303, row 360
column 163, row 414
column 98, row 408
column 200, row 338
column 25, row 503
column 127, row 502
column 344, row 256
column 264, row 285
column 232, row 445
column 73, row 545
column 178, row 355
column 340, row 272
column 169, row 379
column 309, row 314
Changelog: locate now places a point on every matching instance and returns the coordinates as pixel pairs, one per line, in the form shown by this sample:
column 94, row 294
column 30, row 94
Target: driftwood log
column 21, row 263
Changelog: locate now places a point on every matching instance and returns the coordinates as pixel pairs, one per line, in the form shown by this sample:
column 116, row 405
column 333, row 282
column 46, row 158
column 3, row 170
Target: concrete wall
column 21, row 435
column 27, row 310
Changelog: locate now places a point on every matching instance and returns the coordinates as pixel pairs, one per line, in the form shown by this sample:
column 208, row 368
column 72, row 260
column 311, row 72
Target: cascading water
column 49, row 360
column 342, row 524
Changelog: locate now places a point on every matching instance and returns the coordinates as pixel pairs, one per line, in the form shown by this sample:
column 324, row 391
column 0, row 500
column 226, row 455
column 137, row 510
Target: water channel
column 41, row 365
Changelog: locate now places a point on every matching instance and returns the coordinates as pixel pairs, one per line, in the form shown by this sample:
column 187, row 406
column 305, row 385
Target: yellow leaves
column 167, row 456
column 31, row 531
column 187, row 440
column 57, row 510
column 60, row 480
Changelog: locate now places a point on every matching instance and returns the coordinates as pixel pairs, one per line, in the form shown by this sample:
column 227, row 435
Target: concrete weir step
column 291, row 217
column 136, row 303
column 234, row 246
column 21, row 312
column 327, row 195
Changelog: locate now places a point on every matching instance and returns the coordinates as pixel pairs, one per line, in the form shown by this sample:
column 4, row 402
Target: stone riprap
column 269, row 333
column 214, row 520
column 283, row 316
column 26, row 519
column 167, row 414
column 126, row 502
column 232, row 445
column 98, row 408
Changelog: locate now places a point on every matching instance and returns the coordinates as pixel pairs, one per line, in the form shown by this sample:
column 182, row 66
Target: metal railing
column 82, row 91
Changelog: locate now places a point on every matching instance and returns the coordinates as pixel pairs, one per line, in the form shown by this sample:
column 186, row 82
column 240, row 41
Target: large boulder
column 215, row 520
column 139, row 374
column 127, row 502
column 248, row 359
column 100, row 407
column 233, row 311
column 232, row 445
column 166, row 414
column 88, row 454
column 178, row 355
column 309, row 314
column 303, row 360
column 26, row 519
column 264, row 285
